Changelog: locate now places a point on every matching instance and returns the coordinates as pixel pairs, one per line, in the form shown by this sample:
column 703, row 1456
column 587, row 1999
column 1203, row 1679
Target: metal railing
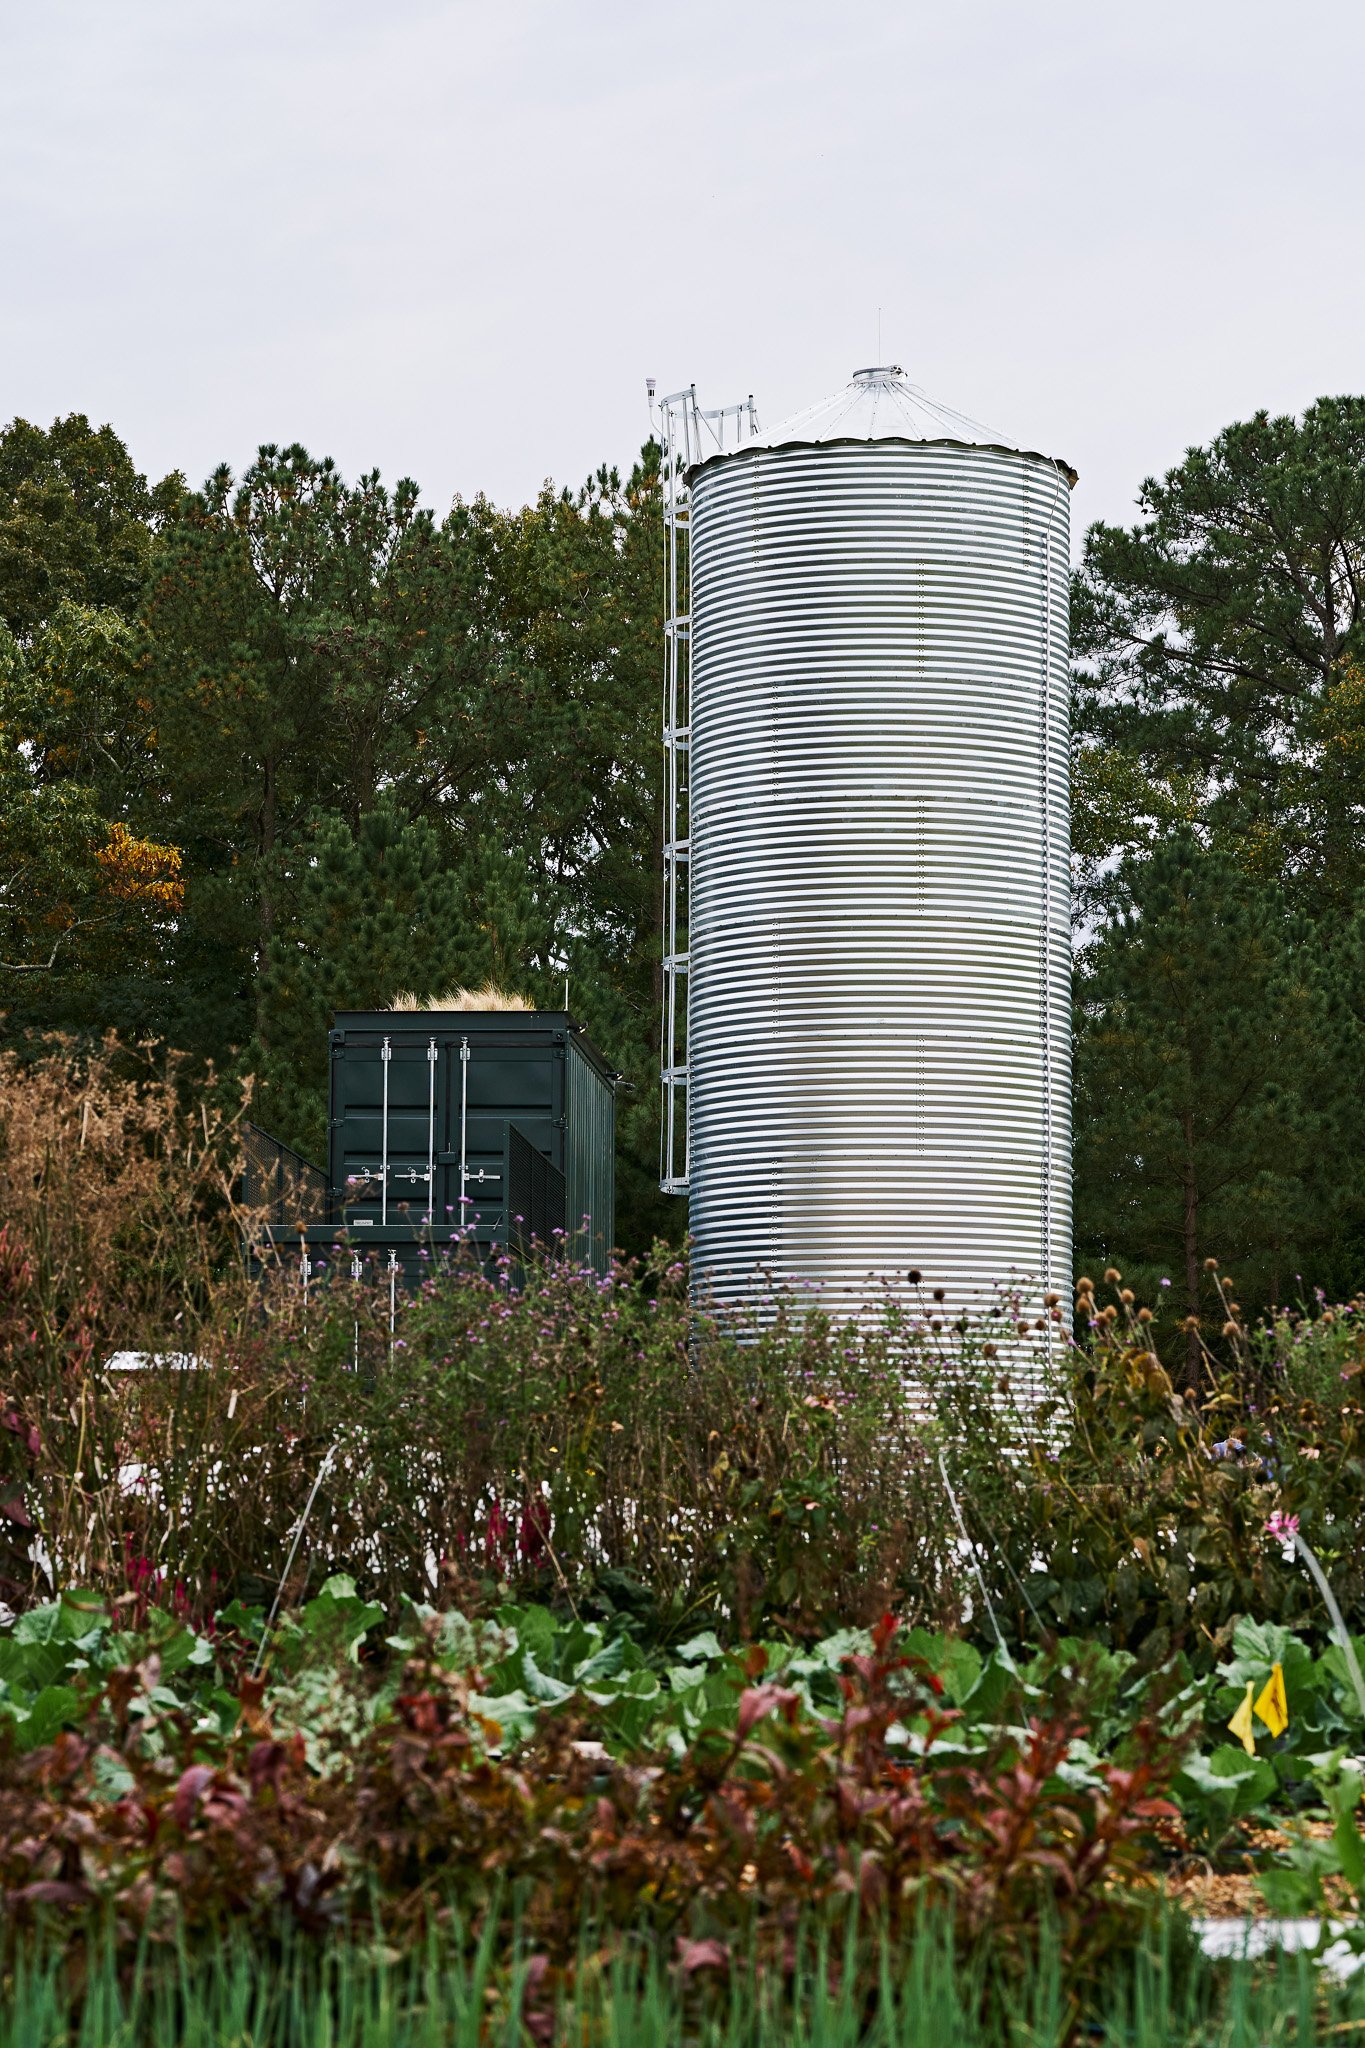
column 687, row 435
column 280, row 1183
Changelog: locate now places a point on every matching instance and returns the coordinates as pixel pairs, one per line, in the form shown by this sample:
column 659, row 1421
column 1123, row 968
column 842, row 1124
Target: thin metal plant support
column 1003, row 1556
column 976, row 1562
column 323, row 1469
column 1338, row 1622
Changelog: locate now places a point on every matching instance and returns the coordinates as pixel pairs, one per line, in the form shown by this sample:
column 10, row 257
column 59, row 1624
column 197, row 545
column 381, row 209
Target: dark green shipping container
column 498, row 1124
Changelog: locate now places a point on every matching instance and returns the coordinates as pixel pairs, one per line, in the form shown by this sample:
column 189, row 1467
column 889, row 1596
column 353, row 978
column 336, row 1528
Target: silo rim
column 763, row 447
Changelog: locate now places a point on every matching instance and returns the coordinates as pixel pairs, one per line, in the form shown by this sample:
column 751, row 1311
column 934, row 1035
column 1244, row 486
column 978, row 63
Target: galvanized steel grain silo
column 877, row 950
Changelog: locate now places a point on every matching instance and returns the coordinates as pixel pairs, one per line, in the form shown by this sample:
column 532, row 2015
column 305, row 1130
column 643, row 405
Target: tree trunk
column 1330, row 642
column 1191, row 1251
column 267, row 826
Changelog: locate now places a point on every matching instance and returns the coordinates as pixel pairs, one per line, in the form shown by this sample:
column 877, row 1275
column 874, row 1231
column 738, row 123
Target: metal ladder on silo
column 686, row 435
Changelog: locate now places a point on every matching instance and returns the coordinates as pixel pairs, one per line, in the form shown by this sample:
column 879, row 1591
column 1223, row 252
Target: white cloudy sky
column 451, row 239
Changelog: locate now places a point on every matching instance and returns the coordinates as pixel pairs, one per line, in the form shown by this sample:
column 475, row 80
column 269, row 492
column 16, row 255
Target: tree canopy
column 1220, row 743
column 384, row 750
column 289, row 742
column 1220, row 643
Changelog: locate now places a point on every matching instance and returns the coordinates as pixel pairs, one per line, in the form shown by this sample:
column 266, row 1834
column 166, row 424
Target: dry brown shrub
column 119, row 1181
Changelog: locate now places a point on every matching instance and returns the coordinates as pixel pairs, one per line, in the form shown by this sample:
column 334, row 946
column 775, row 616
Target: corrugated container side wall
column 590, row 1118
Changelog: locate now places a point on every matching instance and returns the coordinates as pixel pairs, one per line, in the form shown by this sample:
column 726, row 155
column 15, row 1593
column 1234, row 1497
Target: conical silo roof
column 880, row 404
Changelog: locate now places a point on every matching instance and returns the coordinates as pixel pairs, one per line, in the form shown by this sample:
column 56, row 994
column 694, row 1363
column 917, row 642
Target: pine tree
column 1198, row 1133
column 1214, row 639
column 377, row 914
column 380, row 912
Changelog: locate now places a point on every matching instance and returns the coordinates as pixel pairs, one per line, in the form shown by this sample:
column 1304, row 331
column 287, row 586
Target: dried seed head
column 1051, row 1300
column 1112, row 1275
column 1085, row 1285
column 988, row 1351
column 915, row 1276
column 1231, row 1330
column 1191, row 1323
column 1210, row 1265
column 1144, row 1315
column 940, row 1294
column 1128, row 1295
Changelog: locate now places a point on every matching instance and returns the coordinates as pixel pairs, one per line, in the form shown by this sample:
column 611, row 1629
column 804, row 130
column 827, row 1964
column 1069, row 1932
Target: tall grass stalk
column 438, row 1995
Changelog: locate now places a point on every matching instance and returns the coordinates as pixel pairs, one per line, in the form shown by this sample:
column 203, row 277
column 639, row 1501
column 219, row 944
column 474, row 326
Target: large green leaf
column 337, row 1619
column 605, row 1663
column 1256, row 1645
column 54, row 1708
column 70, row 1619
column 700, row 1648
column 539, row 1686
column 1228, row 1783
column 956, row 1664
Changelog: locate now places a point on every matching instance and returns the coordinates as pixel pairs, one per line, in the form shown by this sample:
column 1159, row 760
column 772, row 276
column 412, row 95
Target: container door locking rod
column 431, row 1130
column 464, row 1127
column 385, row 1056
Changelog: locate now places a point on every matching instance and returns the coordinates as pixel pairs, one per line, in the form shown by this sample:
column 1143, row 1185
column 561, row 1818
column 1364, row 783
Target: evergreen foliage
column 391, row 750
column 1219, row 643
column 314, row 663
column 1220, row 727
column 1201, row 1128
column 377, row 912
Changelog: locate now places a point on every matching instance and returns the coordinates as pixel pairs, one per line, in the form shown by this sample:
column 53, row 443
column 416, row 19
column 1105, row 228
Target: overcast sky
column 450, row 240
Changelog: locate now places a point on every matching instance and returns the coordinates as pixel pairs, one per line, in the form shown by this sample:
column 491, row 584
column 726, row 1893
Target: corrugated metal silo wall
column 590, row 1120
column 879, row 1030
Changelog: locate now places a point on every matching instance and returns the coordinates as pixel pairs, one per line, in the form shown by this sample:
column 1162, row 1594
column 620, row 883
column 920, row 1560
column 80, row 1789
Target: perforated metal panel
column 879, row 986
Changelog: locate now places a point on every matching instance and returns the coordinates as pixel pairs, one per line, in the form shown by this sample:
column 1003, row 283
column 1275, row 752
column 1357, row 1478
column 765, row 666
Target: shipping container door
column 497, row 1084
column 385, row 1104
